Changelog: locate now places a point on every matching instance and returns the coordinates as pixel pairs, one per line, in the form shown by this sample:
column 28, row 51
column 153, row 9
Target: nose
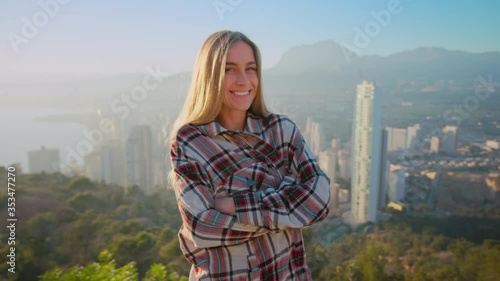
column 242, row 79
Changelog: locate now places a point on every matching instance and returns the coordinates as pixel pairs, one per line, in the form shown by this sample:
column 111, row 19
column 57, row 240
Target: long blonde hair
column 205, row 97
column 204, row 100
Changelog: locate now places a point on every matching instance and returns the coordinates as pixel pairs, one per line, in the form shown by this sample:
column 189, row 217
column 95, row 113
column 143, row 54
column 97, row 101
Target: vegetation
column 67, row 222
column 76, row 229
column 406, row 249
column 105, row 269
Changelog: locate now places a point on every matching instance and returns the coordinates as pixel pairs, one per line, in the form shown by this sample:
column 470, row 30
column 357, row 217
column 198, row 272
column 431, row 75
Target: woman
column 245, row 180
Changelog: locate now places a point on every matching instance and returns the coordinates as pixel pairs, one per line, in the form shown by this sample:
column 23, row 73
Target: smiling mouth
column 241, row 93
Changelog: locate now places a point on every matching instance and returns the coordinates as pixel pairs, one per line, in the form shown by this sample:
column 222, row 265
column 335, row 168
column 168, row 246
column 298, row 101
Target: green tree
column 105, row 269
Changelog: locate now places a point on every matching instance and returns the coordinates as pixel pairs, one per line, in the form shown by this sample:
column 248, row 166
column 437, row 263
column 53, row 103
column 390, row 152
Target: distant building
column 314, row 136
column 450, row 139
column 93, row 166
column 412, row 134
column 327, row 160
column 43, row 160
column 344, row 160
column 396, row 183
column 435, row 144
column 344, row 196
column 396, row 139
column 334, row 202
column 113, row 163
column 383, row 169
column 366, row 153
column 139, row 158
column 493, row 144
column 107, row 164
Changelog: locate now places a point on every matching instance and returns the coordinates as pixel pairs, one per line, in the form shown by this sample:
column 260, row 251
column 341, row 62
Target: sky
column 84, row 37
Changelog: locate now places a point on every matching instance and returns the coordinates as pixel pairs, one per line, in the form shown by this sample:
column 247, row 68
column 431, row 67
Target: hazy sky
column 90, row 36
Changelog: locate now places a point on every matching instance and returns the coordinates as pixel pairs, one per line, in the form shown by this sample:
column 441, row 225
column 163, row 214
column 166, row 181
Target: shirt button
column 250, row 182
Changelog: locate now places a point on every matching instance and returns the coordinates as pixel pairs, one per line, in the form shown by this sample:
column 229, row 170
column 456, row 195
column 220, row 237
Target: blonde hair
column 204, row 100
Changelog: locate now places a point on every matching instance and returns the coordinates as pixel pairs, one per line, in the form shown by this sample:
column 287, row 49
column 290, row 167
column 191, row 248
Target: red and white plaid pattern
column 277, row 186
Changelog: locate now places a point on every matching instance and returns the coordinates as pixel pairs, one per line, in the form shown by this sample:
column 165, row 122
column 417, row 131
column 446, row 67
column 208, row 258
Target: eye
column 229, row 69
column 252, row 68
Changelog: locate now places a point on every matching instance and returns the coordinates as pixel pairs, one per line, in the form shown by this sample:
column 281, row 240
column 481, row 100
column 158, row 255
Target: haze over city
column 397, row 99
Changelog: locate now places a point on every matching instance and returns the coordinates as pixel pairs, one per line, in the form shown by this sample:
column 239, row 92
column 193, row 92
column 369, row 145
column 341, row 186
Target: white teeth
column 241, row 93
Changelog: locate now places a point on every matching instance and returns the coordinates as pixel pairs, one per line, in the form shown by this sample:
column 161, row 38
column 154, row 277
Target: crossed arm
column 298, row 201
column 212, row 222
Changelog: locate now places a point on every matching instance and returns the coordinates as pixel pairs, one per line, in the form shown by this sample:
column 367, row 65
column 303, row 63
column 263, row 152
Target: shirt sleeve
column 299, row 201
column 202, row 224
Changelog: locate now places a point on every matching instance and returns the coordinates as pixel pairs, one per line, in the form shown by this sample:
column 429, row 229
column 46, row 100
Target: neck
column 232, row 120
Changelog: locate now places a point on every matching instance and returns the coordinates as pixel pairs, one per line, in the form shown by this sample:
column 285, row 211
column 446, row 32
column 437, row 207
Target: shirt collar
column 254, row 125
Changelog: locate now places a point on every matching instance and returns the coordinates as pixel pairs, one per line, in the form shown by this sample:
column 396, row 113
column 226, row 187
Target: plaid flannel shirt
column 277, row 187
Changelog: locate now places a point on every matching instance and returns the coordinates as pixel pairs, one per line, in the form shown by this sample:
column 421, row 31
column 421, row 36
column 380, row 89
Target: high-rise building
column 344, row 157
column 139, row 158
column 450, row 139
column 396, row 139
column 384, row 168
column 107, row 163
column 113, row 162
column 366, row 153
column 412, row 134
column 396, row 183
column 43, row 160
column 327, row 160
column 435, row 144
column 314, row 136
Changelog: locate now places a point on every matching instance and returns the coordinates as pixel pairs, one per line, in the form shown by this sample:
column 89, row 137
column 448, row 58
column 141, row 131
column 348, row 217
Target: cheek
column 230, row 79
column 255, row 81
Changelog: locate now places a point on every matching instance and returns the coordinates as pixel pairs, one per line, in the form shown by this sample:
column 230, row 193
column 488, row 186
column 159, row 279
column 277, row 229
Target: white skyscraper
column 140, row 159
column 366, row 153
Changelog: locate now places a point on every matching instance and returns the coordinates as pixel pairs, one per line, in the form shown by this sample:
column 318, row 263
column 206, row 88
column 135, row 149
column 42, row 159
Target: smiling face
column 240, row 82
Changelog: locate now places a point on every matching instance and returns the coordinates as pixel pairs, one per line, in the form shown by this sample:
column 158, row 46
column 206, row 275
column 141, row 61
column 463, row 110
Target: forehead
column 240, row 51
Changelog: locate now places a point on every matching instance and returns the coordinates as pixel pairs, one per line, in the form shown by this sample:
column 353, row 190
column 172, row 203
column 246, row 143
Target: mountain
column 430, row 64
column 325, row 56
column 323, row 67
column 319, row 69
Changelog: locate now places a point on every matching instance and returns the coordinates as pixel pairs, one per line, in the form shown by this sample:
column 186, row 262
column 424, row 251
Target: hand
column 225, row 205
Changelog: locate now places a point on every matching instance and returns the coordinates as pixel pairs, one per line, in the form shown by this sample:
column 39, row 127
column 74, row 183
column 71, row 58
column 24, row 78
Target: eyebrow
column 248, row 63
